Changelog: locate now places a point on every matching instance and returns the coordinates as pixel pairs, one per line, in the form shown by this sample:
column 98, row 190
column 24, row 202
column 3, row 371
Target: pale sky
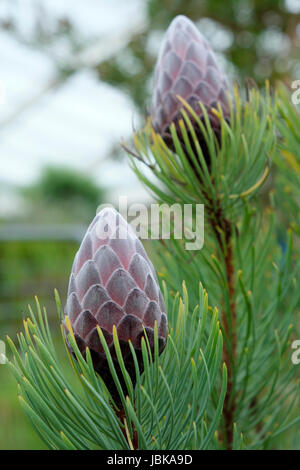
column 74, row 124
column 78, row 122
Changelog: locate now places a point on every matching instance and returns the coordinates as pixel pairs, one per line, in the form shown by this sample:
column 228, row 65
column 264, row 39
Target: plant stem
column 221, row 225
column 121, row 415
column 229, row 404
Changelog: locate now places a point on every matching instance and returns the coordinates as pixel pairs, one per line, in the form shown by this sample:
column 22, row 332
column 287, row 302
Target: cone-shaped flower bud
column 187, row 67
column 113, row 282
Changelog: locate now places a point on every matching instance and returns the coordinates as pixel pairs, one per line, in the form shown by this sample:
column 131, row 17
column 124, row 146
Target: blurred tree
column 258, row 39
column 68, row 194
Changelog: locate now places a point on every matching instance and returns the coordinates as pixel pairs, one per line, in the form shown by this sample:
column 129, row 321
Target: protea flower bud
column 113, row 282
column 187, row 67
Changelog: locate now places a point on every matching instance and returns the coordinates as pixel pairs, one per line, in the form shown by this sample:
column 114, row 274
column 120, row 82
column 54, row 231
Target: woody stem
column 222, row 226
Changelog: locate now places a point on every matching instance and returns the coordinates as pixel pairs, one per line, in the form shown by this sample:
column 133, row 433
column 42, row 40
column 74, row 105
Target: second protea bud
column 113, row 283
column 187, row 67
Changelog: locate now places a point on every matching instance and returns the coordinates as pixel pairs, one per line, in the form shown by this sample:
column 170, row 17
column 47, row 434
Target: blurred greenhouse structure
column 54, row 112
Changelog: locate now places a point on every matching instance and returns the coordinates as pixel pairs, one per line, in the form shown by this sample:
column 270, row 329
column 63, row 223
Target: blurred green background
column 36, row 266
column 45, row 211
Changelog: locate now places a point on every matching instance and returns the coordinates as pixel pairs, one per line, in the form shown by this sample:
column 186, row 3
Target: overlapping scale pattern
column 113, row 282
column 186, row 66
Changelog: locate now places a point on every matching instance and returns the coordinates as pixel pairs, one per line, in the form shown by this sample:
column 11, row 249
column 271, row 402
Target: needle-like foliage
column 176, row 403
column 185, row 398
column 288, row 161
column 242, row 265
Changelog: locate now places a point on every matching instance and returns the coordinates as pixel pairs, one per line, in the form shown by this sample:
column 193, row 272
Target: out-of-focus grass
column 16, row 431
column 26, row 269
column 32, row 268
